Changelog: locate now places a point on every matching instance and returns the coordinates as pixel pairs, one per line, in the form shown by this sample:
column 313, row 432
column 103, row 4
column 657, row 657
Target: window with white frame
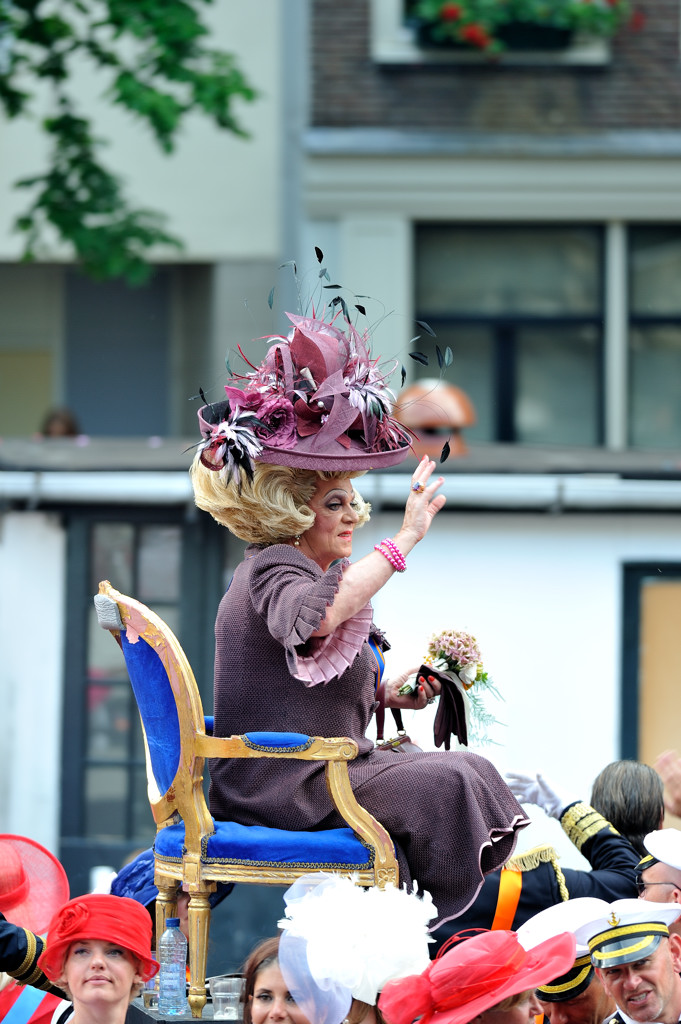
column 523, row 309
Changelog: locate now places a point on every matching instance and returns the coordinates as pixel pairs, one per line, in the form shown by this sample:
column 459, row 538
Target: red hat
column 32, row 883
column 116, row 919
column 474, row 976
column 317, row 401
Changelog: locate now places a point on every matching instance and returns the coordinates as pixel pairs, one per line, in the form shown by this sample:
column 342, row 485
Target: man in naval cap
column 636, row 959
column 658, row 875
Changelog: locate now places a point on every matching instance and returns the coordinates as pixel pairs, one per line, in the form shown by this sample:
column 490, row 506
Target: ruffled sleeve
column 291, row 593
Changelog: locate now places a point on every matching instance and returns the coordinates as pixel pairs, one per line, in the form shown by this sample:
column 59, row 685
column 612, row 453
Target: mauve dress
column 451, row 815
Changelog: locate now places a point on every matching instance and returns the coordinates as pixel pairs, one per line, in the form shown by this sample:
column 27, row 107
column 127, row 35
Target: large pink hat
column 474, row 976
column 317, row 401
column 32, row 883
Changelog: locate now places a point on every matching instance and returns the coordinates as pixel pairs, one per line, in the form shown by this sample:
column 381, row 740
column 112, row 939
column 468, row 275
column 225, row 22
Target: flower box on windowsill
column 516, row 36
column 395, row 42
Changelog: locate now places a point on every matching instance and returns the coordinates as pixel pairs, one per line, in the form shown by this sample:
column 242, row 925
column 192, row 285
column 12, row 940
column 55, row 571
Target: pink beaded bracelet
column 390, row 550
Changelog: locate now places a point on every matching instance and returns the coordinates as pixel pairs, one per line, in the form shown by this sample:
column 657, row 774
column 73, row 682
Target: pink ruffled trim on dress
column 329, row 656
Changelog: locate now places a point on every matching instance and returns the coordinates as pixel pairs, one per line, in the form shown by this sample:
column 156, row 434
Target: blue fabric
column 23, row 1008
column 379, row 658
column 136, row 881
column 337, row 847
column 157, row 707
column 283, row 740
column 209, row 724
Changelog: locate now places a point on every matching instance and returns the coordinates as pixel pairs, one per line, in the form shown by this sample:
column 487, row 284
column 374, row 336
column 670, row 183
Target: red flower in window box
column 450, row 12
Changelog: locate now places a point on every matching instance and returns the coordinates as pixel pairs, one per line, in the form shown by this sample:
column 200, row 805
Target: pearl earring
column 296, row 541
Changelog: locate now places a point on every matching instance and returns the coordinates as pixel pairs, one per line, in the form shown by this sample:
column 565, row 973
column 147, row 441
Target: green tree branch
column 158, row 66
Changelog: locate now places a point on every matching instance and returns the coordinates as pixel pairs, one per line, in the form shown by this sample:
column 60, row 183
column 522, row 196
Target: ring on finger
column 418, row 487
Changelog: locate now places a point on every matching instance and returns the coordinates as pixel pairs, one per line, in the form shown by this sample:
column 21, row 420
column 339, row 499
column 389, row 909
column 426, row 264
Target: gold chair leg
column 199, row 924
column 166, row 905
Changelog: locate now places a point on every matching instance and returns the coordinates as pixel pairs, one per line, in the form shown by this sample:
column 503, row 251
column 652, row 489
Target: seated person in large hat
column 658, row 876
column 636, row 959
column 577, row 995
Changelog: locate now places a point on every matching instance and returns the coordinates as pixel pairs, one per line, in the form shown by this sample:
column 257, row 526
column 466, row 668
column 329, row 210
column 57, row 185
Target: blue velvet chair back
column 157, row 708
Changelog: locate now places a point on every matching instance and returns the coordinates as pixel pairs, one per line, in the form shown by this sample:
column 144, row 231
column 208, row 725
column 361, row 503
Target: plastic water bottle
column 172, row 956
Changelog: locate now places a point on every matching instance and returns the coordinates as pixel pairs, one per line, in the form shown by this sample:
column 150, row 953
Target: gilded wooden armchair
column 193, row 850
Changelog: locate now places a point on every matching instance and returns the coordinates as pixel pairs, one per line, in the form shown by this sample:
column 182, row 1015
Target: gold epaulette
column 531, row 859
column 581, row 822
column 28, row 972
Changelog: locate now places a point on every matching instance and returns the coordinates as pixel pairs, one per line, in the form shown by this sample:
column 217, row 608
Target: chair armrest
column 312, row 748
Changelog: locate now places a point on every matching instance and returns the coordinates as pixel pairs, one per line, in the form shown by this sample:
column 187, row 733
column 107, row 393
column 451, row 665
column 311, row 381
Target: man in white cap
column 658, row 875
column 637, row 960
column 577, row 996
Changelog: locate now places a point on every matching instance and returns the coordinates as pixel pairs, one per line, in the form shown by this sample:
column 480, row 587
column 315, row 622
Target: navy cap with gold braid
column 645, row 863
column 571, row 984
column 568, row 916
column 627, row 931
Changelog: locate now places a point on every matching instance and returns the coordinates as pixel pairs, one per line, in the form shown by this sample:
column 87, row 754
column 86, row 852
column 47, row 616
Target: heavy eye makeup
column 335, row 502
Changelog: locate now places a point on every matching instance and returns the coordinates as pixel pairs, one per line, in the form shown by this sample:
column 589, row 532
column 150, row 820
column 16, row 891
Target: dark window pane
column 158, row 569
column 655, row 265
column 105, row 659
column 655, row 387
column 472, row 371
column 557, row 385
column 113, row 556
column 106, row 800
column 481, row 271
column 143, row 826
column 109, row 721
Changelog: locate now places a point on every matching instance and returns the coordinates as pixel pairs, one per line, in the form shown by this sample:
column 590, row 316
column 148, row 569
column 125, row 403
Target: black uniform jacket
column 543, row 883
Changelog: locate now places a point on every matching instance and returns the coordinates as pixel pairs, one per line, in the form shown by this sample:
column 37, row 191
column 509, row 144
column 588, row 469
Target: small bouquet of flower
column 455, row 655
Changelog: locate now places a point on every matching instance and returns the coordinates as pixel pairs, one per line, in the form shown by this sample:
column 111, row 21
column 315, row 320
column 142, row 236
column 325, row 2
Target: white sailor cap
column 627, row 931
column 664, row 845
column 564, row 917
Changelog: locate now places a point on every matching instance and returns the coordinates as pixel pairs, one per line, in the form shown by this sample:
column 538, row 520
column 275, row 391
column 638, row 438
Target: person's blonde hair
column 271, row 508
column 511, row 1001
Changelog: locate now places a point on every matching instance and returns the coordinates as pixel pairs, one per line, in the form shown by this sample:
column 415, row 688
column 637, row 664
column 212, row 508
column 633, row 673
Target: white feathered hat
column 340, row 941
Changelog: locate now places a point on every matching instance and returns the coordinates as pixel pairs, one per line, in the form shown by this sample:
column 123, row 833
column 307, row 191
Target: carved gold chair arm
column 362, row 822
column 318, row 748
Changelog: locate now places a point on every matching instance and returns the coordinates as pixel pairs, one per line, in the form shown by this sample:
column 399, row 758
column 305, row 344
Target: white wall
column 543, row 596
column 221, row 193
column 32, row 613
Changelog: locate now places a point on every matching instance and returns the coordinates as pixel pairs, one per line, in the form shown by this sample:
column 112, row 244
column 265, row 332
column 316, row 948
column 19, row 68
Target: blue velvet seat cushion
column 237, row 844
column 278, row 740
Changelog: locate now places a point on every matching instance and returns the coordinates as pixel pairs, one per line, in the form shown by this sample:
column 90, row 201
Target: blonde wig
column 271, row 508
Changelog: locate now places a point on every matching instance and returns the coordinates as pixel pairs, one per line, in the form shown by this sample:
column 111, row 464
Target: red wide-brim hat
column 473, row 977
column 32, row 883
column 115, row 919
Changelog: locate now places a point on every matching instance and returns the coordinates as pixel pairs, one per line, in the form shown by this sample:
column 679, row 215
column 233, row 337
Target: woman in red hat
column 99, row 953
column 295, row 639
column 489, row 978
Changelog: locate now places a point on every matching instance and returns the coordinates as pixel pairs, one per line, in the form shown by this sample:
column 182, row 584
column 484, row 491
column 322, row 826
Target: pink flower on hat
column 72, row 920
column 279, row 422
